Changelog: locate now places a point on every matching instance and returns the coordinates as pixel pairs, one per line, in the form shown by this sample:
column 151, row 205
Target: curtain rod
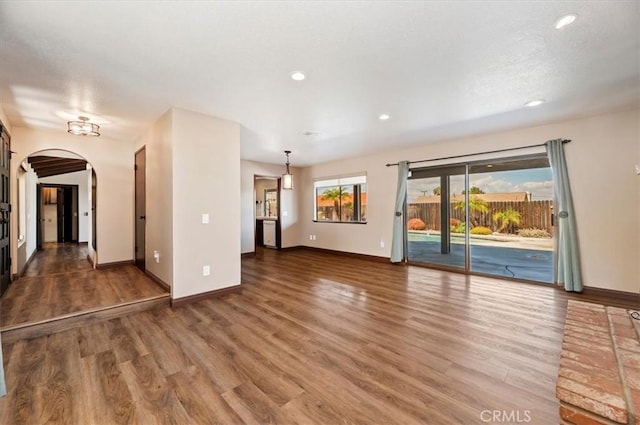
column 478, row 153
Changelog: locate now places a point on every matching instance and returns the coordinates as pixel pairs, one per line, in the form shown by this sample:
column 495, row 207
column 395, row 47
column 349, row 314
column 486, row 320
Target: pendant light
column 287, row 178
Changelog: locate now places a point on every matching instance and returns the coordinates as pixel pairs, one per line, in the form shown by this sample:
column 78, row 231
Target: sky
column 536, row 181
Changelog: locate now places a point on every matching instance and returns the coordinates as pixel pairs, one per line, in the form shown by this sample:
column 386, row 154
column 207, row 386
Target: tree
column 474, row 190
column 437, row 191
column 507, row 218
column 477, row 206
column 335, row 194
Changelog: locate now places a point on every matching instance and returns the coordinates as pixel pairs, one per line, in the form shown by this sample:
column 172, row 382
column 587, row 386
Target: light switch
column 285, row 213
column 205, row 218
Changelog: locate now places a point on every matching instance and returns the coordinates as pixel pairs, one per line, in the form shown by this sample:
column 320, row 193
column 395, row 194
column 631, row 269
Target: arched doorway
column 57, row 286
column 56, row 203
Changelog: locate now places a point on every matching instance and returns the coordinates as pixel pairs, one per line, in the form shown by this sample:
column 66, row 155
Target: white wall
column 81, row 179
column 601, row 161
column 113, row 162
column 206, row 179
column 31, row 210
column 159, row 197
column 289, row 200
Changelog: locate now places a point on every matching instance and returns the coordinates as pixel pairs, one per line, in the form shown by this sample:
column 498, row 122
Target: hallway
column 59, row 283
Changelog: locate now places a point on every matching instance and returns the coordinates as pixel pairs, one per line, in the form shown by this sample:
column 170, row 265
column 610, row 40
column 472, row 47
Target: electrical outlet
column 205, row 218
column 381, row 243
column 206, row 270
column 310, row 237
column 156, row 256
column 314, row 237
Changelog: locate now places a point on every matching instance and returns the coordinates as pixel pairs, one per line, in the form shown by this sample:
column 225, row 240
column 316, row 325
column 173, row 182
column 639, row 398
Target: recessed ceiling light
column 564, row 21
column 489, row 165
column 533, row 103
column 297, row 76
column 310, row 133
column 384, row 117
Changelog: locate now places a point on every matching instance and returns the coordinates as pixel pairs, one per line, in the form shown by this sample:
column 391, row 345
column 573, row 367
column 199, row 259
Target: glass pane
column 328, row 203
column 363, row 202
column 511, row 232
column 434, row 237
column 271, row 202
column 345, row 197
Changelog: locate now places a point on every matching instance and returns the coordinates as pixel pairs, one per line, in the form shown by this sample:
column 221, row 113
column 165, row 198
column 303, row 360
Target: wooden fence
column 533, row 214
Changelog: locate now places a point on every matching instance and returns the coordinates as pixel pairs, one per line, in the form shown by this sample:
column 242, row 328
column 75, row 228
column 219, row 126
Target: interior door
column 94, row 211
column 39, row 218
column 61, row 214
column 140, row 207
column 5, row 212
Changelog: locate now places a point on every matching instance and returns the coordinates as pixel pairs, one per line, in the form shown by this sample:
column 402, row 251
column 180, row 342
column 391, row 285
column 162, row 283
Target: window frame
column 354, row 185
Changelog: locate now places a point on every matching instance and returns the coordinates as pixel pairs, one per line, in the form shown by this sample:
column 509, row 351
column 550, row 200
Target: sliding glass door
column 489, row 217
column 435, row 230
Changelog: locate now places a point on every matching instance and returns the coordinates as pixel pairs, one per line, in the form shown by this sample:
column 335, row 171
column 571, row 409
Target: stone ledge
column 599, row 376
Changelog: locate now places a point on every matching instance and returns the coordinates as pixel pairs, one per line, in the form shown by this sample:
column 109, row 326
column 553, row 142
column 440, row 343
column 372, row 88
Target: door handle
column 143, row 217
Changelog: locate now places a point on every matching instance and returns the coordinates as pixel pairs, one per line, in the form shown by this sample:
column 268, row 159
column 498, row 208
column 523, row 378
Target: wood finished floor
column 312, row 339
column 60, row 281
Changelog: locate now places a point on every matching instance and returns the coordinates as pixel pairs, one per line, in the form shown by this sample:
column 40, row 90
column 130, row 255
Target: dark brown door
column 67, row 208
column 61, row 216
column 94, row 210
column 5, row 212
column 39, row 217
column 140, row 209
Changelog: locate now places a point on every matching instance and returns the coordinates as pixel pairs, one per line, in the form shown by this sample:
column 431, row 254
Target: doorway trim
column 140, row 208
column 39, row 213
column 257, row 238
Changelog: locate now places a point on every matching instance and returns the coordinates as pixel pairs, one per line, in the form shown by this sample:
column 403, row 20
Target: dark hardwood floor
column 59, row 281
column 313, row 338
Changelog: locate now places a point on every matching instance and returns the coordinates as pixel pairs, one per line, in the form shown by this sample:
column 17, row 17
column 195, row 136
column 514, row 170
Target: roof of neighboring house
column 488, row 197
column 321, row 202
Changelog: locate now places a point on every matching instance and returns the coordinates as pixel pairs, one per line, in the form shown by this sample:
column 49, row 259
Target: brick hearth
column 599, row 377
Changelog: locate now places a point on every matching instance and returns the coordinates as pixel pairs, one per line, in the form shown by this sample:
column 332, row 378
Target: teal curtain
column 568, row 255
column 397, row 243
column 3, row 387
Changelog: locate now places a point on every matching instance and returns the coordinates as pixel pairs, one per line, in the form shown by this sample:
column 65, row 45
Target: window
column 341, row 200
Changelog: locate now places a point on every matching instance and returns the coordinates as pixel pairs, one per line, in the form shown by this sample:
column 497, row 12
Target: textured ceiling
column 440, row 69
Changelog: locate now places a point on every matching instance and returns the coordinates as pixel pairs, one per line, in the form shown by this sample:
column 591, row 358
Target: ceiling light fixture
column 384, row 117
column 83, row 127
column 564, row 21
column 287, row 177
column 298, row 76
column 533, row 103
